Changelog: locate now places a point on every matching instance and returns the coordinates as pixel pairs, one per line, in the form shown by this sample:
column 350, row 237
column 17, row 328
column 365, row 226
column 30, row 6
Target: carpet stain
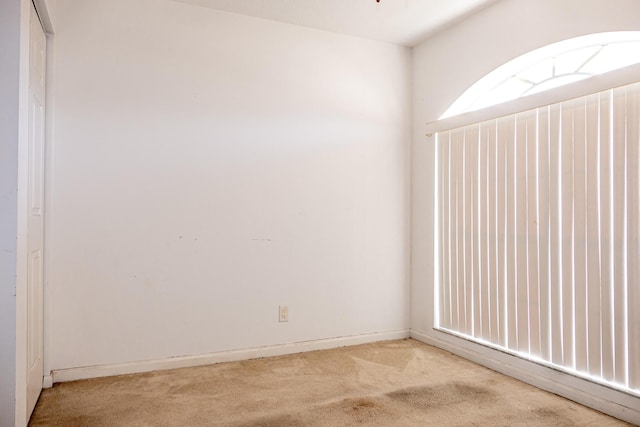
column 281, row 420
column 537, row 417
column 357, row 405
column 550, row 416
column 70, row 421
column 363, row 410
column 441, row 395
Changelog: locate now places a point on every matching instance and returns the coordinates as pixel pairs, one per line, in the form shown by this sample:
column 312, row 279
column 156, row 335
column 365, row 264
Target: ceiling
column 405, row 22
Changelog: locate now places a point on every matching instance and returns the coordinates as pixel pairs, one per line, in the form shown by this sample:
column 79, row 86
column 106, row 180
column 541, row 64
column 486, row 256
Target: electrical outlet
column 284, row 313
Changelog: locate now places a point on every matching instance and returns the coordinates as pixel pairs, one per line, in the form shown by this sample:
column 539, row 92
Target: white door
column 37, row 70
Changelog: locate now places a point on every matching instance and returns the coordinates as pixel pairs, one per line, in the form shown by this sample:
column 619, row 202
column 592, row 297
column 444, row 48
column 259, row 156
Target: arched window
column 549, row 67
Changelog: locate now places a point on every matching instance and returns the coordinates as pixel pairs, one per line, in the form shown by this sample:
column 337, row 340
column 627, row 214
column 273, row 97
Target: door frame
column 46, row 15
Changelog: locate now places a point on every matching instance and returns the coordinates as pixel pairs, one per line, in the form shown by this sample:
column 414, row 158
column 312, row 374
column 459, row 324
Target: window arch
column 551, row 66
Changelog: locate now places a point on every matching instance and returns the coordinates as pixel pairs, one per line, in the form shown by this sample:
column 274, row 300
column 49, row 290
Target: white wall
column 9, row 70
column 14, row 63
column 446, row 65
column 208, row 167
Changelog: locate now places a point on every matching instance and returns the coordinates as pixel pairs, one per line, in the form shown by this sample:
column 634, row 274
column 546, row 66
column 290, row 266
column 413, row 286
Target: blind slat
column 453, row 230
column 485, row 286
column 521, row 230
column 555, row 228
column 619, row 219
column 473, row 133
column 606, row 230
column 511, row 237
column 594, row 288
column 543, row 224
column 532, row 235
column 492, row 230
column 457, row 143
column 580, row 235
column 445, row 292
column 633, row 236
column 501, row 262
column 567, row 210
column 469, row 143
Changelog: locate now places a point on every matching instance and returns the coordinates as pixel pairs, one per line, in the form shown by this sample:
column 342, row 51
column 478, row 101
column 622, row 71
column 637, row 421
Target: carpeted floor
column 395, row 383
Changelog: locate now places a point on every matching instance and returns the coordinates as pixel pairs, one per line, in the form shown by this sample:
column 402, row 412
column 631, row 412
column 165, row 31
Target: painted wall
column 447, row 64
column 209, row 167
column 14, row 90
column 14, row 86
column 9, row 70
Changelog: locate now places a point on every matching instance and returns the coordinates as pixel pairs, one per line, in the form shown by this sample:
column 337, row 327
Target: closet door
column 35, row 221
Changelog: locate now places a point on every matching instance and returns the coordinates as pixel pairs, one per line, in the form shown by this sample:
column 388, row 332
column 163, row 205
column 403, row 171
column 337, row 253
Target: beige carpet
column 395, row 383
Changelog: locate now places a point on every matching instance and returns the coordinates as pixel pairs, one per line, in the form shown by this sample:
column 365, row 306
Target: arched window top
column 551, row 66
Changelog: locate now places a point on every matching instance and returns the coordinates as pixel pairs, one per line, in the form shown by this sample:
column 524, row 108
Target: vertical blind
column 539, row 245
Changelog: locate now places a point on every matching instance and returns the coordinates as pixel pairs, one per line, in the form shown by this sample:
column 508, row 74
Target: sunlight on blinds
column 539, row 231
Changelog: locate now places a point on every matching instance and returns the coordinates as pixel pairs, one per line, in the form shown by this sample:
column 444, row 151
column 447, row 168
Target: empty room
column 319, row 212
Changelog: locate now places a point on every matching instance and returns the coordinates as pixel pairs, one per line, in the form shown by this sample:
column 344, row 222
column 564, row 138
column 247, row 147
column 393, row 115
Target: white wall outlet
column 284, row 313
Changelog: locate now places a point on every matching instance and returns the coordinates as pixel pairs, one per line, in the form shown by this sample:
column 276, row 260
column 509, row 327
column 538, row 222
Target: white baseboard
column 47, row 381
column 602, row 398
column 73, row 374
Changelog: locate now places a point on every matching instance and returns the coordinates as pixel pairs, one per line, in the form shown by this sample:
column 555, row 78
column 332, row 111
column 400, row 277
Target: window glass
column 549, row 67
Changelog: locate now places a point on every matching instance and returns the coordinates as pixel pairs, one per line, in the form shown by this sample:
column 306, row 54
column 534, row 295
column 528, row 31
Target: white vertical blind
column 539, row 216
column 619, row 190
